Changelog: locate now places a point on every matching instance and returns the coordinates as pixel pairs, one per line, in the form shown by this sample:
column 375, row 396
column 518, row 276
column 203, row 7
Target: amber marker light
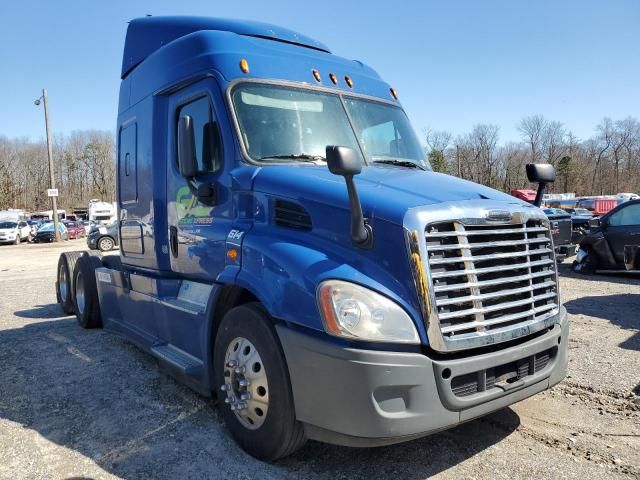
column 316, row 75
column 244, row 66
column 333, row 78
column 232, row 254
column 349, row 81
column 327, row 310
column 394, row 94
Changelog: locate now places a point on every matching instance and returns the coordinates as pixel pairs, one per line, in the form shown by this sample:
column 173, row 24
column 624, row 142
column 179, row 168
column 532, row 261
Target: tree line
column 606, row 163
column 84, row 164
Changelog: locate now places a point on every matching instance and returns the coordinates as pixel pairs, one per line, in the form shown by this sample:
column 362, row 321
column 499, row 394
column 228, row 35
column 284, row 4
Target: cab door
column 199, row 208
column 623, row 228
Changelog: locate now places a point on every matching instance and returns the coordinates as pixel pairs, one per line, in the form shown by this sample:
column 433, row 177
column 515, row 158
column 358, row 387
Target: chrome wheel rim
column 106, row 244
column 246, row 386
column 80, row 299
column 62, row 283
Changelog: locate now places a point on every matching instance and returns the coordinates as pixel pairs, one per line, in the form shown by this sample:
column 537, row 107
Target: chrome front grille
column 487, row 278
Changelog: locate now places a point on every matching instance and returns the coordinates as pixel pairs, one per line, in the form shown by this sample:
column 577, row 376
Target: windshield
column 385, row 132
column 8, row 225
column 285, row 124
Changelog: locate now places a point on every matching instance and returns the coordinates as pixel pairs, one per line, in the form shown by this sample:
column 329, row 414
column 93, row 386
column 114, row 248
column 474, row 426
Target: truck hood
column 385, row 192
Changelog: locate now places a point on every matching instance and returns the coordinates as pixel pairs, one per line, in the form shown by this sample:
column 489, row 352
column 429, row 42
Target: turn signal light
column 349, row 81
column 333, row 78
column 316, row 75
column 244, row 66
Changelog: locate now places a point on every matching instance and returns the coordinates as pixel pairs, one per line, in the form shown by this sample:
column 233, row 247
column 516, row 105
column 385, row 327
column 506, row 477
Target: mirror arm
column 539, row 194
column 361, row 232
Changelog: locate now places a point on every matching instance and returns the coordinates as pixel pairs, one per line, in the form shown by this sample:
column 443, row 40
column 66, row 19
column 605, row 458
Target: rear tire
column 278, row 434
column 65, row 284
column 85, row 296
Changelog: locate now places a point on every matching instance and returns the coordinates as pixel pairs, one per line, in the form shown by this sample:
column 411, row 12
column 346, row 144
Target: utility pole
column 458, row 161
column 54, row 199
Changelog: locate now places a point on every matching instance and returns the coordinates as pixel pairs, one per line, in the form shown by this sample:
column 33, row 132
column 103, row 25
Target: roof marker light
column 333, row 78
column 394, row 94
column 347, row 79
column 316, row 75
column 244, row 66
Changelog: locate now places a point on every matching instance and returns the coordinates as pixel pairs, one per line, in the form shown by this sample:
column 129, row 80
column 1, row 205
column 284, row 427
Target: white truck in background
column 102, row 212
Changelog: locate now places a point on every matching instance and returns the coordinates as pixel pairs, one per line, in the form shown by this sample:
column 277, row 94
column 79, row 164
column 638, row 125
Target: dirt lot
column 76, row 403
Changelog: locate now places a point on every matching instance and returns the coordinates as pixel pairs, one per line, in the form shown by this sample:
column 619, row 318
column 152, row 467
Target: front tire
column 106, row 244
column 85, row 296
column 256, row 400
column 587, row 265
column 17, row 240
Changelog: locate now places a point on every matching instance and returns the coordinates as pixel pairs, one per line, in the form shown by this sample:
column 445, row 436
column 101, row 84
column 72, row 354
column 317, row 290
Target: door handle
column 173, row 240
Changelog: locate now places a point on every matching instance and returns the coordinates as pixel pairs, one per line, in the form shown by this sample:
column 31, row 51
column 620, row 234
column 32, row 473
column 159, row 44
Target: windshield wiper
column 302, row 157
column 400, row 163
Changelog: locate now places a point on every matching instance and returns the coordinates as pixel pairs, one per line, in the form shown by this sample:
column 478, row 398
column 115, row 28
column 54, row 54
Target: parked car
column 561, row 231
column 613, row 242
column 14, row 232
column 75, row 229
column 103, row 237
column 45, row 233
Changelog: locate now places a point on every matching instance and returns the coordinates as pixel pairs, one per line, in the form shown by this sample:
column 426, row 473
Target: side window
column 207, row 134
column 627, row 216
column 128, row 163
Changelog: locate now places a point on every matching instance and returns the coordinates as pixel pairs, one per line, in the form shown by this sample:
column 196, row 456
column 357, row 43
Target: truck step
column 179, row 359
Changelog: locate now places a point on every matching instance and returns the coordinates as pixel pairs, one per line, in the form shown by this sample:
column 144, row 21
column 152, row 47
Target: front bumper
column 355, row 397
column 564, row 251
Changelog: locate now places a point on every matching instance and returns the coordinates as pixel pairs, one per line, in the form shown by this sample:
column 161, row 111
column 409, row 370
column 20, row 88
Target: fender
column 284, row 276
column 598, row 243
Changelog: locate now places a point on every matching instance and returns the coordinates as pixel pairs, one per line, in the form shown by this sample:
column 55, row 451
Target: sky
column 454, row 63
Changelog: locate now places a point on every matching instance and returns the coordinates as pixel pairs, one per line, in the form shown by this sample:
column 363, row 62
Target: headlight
column 351, row 311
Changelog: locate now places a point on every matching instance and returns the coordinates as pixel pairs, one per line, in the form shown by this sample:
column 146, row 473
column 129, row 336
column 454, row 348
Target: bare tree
column 532, row 129
column 437, row 143
column 604, row 138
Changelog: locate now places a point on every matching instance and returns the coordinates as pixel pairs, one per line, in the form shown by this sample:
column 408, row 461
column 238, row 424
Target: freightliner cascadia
column 285, row 246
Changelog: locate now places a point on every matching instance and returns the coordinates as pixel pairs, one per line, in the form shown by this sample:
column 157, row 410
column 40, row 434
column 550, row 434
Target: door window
column 206, row 132
column 627, row 216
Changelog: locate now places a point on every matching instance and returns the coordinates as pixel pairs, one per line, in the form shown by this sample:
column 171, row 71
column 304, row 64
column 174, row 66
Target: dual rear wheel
column 76, row 287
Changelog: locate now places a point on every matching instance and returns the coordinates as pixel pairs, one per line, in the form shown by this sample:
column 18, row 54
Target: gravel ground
column 87, row 404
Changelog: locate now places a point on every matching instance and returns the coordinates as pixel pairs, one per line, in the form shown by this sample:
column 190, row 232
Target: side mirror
column 540, row 173
column 186, row 147
column 345, row 161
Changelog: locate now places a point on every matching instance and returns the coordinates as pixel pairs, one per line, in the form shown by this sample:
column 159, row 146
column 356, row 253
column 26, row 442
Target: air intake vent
column 291, row 215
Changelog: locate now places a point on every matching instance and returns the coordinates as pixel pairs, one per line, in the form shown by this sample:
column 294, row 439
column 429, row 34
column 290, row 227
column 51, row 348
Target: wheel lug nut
column 243, row 382
column 231, row 363
column 245, row 396
column 241, row 406
column 226, row 387
column 239, row 370
column 231, row 400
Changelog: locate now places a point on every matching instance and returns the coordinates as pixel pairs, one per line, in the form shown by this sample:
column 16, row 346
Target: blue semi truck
column 286, row 247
